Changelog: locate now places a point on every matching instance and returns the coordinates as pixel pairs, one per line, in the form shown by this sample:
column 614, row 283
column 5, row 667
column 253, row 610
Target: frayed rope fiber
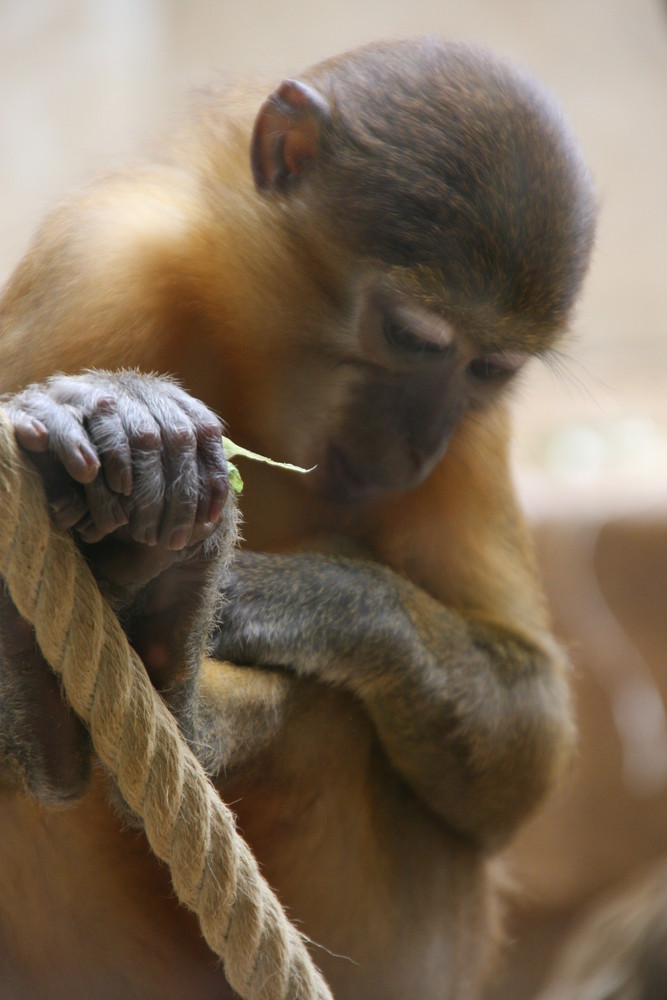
column 136, row 737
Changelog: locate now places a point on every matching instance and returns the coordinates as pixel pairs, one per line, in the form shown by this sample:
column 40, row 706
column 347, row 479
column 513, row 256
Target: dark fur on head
column 445, row 160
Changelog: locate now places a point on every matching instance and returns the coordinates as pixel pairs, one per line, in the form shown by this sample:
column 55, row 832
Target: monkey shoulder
column 153, row 215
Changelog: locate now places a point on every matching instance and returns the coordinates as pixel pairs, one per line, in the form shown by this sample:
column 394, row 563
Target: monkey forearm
column 474, row 718
column 43, row 746
column 478, row 724
column 139, row 447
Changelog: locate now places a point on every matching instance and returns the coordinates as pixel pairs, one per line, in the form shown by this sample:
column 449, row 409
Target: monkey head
column 448, row 218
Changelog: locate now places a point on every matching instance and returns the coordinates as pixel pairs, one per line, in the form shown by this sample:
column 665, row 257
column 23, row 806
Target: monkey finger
column 213, row 475
column 106, row 508
column 107, row 432
column 182, row 494
column 146, row 504
column 211, row 460
column 68, row 509
column 67, row 437
column 67, row 503
column 213, row 493
column 88, row 531
column 140, row 434
column 29, row 432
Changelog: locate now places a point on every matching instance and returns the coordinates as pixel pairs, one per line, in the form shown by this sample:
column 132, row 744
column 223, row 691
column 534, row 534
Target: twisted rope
column 186, row 823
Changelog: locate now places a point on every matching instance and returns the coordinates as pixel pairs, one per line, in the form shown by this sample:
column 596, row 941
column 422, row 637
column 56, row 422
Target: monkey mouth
column 344, row 483
column 347, row 480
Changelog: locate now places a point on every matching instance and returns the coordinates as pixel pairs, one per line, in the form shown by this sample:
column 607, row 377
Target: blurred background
column 83, row 81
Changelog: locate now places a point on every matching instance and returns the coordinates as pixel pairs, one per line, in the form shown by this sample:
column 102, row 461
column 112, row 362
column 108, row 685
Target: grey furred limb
column 467, row 712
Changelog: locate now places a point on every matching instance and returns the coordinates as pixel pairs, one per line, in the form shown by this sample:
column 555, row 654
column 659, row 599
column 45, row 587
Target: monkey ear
column 286, row 136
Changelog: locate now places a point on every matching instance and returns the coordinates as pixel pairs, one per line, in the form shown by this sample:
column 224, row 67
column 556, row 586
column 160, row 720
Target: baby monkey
column 352, row 272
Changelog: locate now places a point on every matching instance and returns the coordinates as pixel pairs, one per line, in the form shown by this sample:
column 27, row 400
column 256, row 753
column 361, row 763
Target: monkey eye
column 497, row 366
column 398, row 335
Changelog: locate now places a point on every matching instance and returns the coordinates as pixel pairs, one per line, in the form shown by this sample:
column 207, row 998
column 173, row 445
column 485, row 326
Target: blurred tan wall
column 81, row 81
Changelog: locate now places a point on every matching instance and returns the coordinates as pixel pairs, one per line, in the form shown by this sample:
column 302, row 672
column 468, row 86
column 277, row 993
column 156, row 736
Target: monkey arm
column 136, row 467
column 43, row 745
column 473, row 715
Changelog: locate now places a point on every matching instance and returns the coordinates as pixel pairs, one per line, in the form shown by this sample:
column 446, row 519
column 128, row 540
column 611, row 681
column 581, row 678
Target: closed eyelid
column 434, row 331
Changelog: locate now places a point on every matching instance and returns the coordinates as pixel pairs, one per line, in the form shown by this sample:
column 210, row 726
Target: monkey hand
column 126, row 457
column 135, row 466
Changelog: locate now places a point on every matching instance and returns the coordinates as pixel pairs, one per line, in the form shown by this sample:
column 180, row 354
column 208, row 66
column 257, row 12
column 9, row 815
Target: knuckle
column 181, row 438
column 104, row 405
column 145, row 437
column 210, row 431
column 23, row 400
column 105, row 402
column 31, row 402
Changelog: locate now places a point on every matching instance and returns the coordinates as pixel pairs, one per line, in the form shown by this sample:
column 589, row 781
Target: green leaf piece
column 232, row 450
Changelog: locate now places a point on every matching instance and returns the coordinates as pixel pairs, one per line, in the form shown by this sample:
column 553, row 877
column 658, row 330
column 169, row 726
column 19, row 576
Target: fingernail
column 215, row 510
column 38, row 428
column 89, row 456
column 179, row 539
column 150, row 536
column 126, row 482
column 31, row 433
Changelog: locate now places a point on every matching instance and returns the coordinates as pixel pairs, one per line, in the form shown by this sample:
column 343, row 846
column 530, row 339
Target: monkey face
column 455, row 178
column 411, row 378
